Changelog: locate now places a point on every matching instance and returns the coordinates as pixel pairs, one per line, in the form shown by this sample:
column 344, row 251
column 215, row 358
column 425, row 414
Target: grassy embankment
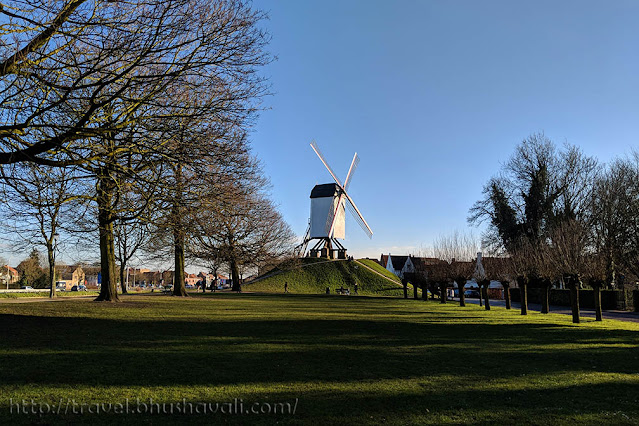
column 312, row 276
column 348, row 360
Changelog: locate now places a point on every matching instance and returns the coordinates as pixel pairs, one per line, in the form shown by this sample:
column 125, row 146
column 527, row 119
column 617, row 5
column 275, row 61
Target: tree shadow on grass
column 350, row 369
column 114, row 352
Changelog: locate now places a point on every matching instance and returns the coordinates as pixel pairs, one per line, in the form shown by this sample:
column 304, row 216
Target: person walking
column 285, row 286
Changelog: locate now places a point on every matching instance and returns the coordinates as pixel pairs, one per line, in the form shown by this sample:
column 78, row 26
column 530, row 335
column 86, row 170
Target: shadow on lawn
column 207, row 352
column 204, row 351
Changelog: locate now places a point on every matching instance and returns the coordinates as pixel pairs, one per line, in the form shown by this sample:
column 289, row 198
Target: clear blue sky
column 434, row 96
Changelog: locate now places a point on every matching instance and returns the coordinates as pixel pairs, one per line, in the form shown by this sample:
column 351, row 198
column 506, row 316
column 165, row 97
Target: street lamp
column 56, row 237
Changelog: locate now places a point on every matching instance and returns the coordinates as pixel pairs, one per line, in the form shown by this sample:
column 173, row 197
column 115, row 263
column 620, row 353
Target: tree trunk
column 432, row 291
column 523, row 294
column 442, row 291
column 179, row 289
column 106, row 189
column 506, row 286
column 235, row 275
column 486, row 298
column 545, row 297
column 597, row 293
column 460, row 288
column 481, row 295
column 415, row 295
column 424, row 292
column 122, row 278
column 573, row 283
column 51, row 257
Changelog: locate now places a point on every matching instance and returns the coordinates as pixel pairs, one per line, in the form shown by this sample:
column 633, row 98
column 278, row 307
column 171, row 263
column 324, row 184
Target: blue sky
column 434, row 96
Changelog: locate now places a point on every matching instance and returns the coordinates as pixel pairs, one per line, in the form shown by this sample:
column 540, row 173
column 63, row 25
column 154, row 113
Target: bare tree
column 245, row 230
column 458, row 250
column 500, row 268
column 105, row 97
column 131, row 236
column 615, row 213
column 569, row 253
column 40, row 202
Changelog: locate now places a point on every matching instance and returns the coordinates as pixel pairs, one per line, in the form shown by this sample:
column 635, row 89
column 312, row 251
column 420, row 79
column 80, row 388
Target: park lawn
column 348, row 360
column 45, row 293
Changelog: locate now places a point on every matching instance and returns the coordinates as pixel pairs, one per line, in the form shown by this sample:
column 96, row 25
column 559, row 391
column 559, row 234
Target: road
column 565, row 310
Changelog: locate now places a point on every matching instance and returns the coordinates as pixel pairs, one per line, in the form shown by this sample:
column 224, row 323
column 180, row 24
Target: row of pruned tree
column 129, row 120
column 559, row 216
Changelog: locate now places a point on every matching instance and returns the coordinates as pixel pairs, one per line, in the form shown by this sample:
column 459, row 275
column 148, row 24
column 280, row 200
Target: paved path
column 565, row 310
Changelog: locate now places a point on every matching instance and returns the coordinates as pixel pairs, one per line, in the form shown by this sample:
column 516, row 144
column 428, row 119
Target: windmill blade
column 351, row 170
column 359, row 221
column 358, row 217
column 321, row 157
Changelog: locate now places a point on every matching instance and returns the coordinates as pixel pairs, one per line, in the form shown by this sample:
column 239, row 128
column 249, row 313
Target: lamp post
column 8, row 276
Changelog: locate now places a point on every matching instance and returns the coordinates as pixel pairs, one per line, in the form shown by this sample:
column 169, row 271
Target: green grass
column 45, row 293
column 348, row 360
column 379, row 268
column 312, row 277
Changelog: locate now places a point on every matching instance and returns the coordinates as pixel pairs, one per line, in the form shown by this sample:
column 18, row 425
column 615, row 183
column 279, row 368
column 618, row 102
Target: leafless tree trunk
column 573, row 284
column 506, row 286
column 522, row 283
column 461, row 282
column 485, row 285
column 443, row 286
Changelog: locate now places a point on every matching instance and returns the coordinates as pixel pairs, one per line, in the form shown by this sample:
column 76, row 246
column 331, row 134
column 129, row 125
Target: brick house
column 69, row 276
column 9, row 275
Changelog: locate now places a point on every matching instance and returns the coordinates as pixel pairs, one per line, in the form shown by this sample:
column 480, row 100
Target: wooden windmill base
column 328, row 248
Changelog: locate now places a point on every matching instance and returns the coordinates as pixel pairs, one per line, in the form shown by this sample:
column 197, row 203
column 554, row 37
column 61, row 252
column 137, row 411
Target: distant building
column 190, row 279
column 399, row 265
column 9, row 275
column 69, row 276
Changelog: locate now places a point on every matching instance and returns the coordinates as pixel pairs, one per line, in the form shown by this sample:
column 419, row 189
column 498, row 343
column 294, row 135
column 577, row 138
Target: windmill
column 327, row 223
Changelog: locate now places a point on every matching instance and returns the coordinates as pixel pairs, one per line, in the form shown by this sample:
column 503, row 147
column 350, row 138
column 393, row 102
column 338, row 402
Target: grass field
column 347, row 360
column 313, row 276
column 45, row 293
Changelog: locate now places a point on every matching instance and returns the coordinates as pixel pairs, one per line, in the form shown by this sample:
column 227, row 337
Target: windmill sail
column 333, row 212
column 321, row 157
column 351, row 171
column 358, row 217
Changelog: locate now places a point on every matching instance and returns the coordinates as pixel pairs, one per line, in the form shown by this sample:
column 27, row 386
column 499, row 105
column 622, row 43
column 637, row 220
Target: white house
column 399, row 265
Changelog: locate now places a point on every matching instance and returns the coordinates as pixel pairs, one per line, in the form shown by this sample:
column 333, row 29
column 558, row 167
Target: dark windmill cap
column 325, row 190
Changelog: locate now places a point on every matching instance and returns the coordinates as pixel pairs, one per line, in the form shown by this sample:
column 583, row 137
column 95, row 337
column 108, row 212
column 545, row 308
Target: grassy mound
column 312, row 276
column 380, row 269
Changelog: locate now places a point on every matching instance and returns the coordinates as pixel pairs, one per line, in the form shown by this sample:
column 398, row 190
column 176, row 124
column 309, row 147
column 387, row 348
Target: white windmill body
column 327, row 223
column 324, row 201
